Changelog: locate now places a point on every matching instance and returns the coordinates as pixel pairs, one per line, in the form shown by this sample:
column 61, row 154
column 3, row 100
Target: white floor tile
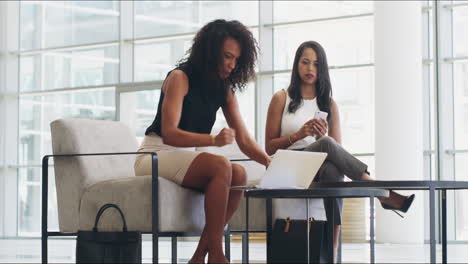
column 63, row 251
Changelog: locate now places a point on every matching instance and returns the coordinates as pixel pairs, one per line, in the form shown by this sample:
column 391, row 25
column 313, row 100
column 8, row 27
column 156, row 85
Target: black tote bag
column 108, row 247
column 289, row 241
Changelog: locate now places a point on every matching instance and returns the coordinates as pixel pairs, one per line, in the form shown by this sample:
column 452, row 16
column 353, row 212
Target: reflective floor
column 63, row 251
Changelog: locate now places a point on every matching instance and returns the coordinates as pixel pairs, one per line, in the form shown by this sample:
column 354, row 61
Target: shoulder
column 279, row 97
column 333, row 104
column 176, row 78
column 277, row 102
column 178, row 75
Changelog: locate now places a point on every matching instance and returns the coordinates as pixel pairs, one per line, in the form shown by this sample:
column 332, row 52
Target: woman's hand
column 267, row 162
column 225, row 137
column 306, row 130
column 319, row 127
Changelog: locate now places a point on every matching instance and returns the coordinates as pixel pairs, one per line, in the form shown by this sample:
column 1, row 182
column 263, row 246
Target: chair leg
column 227, row 244
column 245, row 247
column 44, row 202
column 174, row 249
column 155, row 248
column 44, row 248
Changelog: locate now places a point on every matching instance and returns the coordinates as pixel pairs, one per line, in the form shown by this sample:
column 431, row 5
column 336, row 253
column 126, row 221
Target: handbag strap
column 101, row 211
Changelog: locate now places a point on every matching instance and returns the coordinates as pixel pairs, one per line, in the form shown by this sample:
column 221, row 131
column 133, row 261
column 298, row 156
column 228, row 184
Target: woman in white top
column 291, row 125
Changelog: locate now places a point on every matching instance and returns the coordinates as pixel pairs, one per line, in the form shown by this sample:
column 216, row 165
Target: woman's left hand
column 320, row 127
column 267, row 162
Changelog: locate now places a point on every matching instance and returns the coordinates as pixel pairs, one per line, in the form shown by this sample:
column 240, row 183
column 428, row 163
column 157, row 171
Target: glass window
column 138, row 110
column 461, row 104
column 461, row 197
column 29, row 202
column 83, row 67
column 157, row 18
column 37, row 112
column 460, row 27
column 346, row 41
column 48, row 24
column 288, row 11
column 460, row 81
column 154, row 60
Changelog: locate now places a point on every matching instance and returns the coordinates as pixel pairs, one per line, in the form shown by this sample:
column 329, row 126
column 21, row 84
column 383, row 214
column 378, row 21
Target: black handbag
column 289, row 241
column 108, row 247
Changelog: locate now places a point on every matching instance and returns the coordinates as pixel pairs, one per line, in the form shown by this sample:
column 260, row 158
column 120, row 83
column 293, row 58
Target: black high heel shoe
column 404, row 206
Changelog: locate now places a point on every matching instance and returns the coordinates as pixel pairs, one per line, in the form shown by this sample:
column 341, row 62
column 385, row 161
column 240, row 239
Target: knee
column 330, row 173
column 239, row 175
column 327, row 140
column 221, row 168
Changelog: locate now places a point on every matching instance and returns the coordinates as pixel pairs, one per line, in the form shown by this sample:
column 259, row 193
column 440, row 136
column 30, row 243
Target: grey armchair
column 93, row 162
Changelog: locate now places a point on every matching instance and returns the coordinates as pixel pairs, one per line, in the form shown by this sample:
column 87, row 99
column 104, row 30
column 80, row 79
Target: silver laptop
column 289, row 169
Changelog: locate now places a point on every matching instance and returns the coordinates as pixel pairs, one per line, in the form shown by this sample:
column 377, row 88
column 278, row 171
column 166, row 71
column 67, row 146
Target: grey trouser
column 338, row 163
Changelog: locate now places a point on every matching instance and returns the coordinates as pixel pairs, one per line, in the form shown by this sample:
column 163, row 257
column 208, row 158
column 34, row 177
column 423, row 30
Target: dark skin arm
column 246, row 144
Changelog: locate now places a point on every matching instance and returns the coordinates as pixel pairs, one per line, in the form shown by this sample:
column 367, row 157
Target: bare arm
column 246, row 144
column 335, row 126
column 175, row 88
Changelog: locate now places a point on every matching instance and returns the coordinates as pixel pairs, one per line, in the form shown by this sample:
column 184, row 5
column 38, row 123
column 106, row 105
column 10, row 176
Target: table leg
column 307, row 230
column 444, row 226
column 372, row 234
column 245, row 237
column 432, row 224
column 269, row 216
column 330, row 228
column 339, row 248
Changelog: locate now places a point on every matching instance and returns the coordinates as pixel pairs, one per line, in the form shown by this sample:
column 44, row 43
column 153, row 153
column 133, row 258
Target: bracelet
column 213, row 141
column 290, row 143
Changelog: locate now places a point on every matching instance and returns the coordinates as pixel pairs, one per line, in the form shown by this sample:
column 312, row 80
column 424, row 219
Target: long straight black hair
column 323, row 84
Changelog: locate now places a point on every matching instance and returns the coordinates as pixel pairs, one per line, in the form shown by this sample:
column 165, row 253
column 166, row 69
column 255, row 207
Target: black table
column 431, row 186
column 313, row 192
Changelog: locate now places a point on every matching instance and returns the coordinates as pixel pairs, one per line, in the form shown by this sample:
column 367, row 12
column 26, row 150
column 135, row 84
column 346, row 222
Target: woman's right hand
column 306, row 130
column 226, row 136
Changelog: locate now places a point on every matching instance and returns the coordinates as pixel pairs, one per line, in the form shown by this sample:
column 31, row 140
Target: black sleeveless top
column 199, row 107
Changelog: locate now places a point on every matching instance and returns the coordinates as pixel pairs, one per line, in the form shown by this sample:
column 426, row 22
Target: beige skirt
column 173, row 162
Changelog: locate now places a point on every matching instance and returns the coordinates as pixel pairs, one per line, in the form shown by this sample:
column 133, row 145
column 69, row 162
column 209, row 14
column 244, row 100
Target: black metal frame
column 154, row 209
column 431, row 186
column 327, row 194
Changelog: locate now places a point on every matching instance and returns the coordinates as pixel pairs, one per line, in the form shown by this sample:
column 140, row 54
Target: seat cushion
column 180, row 209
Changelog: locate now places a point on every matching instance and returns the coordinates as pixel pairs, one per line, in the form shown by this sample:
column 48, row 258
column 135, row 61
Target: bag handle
column 288, row 224
column 101, row 211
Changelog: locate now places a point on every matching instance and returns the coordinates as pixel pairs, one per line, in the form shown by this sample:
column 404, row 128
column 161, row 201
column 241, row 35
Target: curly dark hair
column 323, row 85
column 206, row 56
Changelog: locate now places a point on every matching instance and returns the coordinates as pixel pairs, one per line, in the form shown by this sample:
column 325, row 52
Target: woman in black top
column 221, row 61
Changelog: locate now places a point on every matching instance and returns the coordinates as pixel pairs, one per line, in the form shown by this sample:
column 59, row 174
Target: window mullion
column 126, row 48
column 9, row 11
column 443, row 74
column 264, row 85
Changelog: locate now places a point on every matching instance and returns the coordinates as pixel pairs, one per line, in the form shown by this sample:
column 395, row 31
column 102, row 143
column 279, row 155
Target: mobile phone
column 321, row 115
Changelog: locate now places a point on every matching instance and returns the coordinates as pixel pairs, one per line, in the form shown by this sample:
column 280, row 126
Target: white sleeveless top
column 292, row 122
